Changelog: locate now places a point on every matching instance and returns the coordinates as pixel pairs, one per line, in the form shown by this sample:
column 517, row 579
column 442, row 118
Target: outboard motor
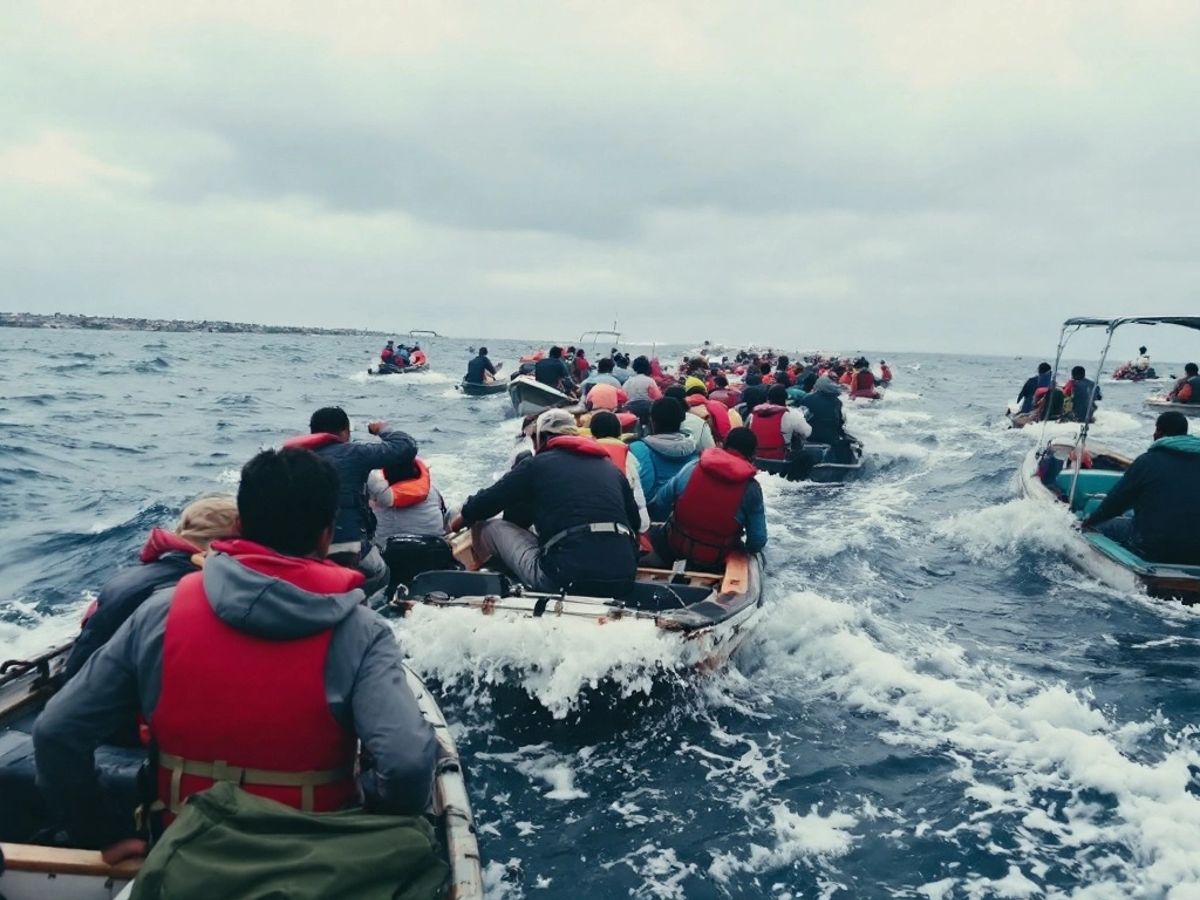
column 408, row 555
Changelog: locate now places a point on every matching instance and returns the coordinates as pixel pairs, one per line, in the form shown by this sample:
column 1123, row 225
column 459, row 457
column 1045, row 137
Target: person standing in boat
column 1142, row 363
column 713, row 506
column 1162, row 488
column 354, row 461
column 265, row 667
column 480, row 369
column 1084, row 394
column 1187, row 388
column 582, row 507
column 1028, row 393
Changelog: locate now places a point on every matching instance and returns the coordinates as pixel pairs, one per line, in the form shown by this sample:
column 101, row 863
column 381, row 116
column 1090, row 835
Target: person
column 605, row 396
column 753, row 393
column 582, row 368
column 719, row 417
column 480, row 369
column 604, row 375
column 779, row 432
column 581, row 506
column 782, row 376
column 405, row 501
column 553, row 372
column 667, row 449
column 353, row 461
column 862, row 381
column 621, row 370
column 641, row 389
column 417, row 357
column 386, row 354
column 1142, row 363
column 1187, row 388
column 1162, row 488
column 606, row 429
column 1084, row 394
column 265, row 667
column 723, row 393
column 713, row 506
column 822, row 406
column 165, row 558
column 1028, row 393
column 885, row 373
column 694, row 423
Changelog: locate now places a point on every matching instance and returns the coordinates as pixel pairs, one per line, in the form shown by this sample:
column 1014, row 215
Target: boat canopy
column 1111, row 324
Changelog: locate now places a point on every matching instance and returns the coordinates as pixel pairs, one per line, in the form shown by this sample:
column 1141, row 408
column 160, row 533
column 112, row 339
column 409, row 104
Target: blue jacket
column 476, row 367
column 751, row 515
column 660, row 457
column 1162, row 487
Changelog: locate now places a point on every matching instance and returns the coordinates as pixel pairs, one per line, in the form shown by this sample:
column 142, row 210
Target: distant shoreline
column 67, row 321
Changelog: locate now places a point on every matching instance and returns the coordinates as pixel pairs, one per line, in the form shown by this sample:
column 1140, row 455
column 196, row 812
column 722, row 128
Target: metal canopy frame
column 1069, row 328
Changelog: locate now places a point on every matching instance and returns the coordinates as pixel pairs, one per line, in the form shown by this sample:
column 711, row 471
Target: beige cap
column 556, row 421
column 209, row 518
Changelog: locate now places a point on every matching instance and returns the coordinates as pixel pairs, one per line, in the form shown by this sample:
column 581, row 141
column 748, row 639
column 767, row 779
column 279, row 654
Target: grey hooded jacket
column 662, row 456
column 365, row 687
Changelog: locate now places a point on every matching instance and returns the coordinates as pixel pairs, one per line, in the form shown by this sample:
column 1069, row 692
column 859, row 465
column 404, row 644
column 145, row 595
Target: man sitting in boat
column 693, row 423
column 723, row 393
column 405, row 501
column 621, row 370
column 667, row 449
column 606, row 429
column 642, row 389
column 779, row 431
column 714, row 505
column 885, row 373
column 604, row 375
column 581, row 505
column 265, row 669
column 1028, row 394
column 1187, row 388
column 553, row 372
column 1084, row 394
column 822, row 406
column 862, row 381
column 480, row 369
column 354, row 461
column 388, row 352
column 1162, row 487
column 166, row 557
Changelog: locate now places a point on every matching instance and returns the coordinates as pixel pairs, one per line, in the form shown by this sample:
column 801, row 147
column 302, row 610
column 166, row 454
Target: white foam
column 364, row 377
column 33, row 631
column 1007, row 528
column 795, row 837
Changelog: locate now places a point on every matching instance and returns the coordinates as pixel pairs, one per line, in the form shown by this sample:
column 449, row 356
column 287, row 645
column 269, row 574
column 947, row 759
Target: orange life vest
column 411, row 491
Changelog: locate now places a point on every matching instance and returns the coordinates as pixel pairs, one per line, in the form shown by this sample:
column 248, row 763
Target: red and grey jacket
column 718, row 414
column 239, row 707
column 767, row 424
column 704, row 526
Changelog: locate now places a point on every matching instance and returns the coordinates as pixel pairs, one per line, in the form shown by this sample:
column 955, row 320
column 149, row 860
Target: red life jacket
column 718, row 414
column 235, row 707
column 617, row 450
column 767, row 424
column 411, row 491
column 704, row 526
column 386, row 355
column 573, row 443
column 418, row 358
column 311, row 441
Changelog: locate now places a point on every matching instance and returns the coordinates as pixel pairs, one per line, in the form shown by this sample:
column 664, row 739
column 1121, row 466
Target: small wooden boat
column 1162, row 404
column 1099, row 556
column 710, row 613
column 491, row 388
column 530, row 397
column 34, row 872
column 396, row 370
column 821, row 463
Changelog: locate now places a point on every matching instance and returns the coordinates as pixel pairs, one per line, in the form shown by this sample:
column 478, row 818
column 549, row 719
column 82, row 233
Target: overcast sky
column 915, row 175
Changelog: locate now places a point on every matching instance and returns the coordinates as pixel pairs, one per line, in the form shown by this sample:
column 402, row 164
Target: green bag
column 231, row 844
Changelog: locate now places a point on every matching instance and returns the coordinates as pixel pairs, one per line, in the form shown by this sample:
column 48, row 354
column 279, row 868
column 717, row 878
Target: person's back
column 1084, row 394
column 754, row 392
column 606, row 430
column 621, row 369
column 239, row 669
column 823, row 407
column 1162, row 488
column 479, row 368
column 552, row 371
column 663, row 453
column 406, row 501
column 1187, row 388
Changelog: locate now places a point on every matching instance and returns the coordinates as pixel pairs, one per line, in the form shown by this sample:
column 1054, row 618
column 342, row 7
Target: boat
column 1083, row 489
column 1162, row 405
column 530, row 397
column 1130, row 372
column 35, row 872
column 474, row 389
column 394, row 370
column 822, row 464
column 1101, row 557
column 710, row 613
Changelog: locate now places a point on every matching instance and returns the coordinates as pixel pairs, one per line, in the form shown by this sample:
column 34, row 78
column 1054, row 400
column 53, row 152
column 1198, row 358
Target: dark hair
column 1043, row 368
column 1191, row 369
column 483, row 351
column 329, row 420
column 676, row 393
column 666, row 414
column 721, row 381
column 641, row 365
column 741, row 441
column 605, row 365
column 1172, row 424
column 555, row 352
column 782, row 362
column 1141, row 349
column 753, row 378
column 605, row 425
column 571, row 349
column 396, row 474
column 765, row 368
column 1078, row 372
column 777, row 394
column 286, row 500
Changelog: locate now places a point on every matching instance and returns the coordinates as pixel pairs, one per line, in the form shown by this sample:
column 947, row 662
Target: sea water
column 933, row 705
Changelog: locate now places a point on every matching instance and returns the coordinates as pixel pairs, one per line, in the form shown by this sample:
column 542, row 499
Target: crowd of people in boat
column 1042, row 400
column 396, row 357
column 1137, row 369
